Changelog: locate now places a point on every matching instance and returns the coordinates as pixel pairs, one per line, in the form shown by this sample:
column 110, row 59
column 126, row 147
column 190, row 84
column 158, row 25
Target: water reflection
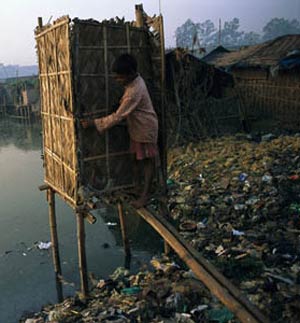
column 27, row 276
column 21, row 135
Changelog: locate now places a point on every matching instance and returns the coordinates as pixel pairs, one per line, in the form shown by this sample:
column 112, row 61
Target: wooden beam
column 44, row 187
column 220, row 287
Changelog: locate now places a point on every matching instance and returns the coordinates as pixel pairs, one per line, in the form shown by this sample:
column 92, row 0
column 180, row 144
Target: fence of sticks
column 202, row 101
column 76, row 81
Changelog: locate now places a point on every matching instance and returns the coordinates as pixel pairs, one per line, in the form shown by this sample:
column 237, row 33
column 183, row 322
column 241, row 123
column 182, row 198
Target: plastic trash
column 44, row 245
column 243, row 177
column 199, row 308
column 239, row 207
column 294, row 177
column 237, row 233
column 170, row 182
column 220, row 315
column 111, row 224
column 188, row 226
column 131, row 290
column 252, row 200
column 267, row 137
column 267, row 179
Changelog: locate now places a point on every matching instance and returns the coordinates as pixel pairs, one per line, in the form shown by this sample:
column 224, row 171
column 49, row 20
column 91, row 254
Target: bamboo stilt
column 54, row 243
column 123, row 230
column 82, row 254
column 167, row 248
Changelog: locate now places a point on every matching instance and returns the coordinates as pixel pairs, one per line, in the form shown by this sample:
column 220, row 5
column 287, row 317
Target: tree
column 231, row 36
column 250, row 38
column 279, row 26
column 185, row 34
column 191, row 34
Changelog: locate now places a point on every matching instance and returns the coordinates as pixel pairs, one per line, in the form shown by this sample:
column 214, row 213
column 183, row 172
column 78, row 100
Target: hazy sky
column 18, row 18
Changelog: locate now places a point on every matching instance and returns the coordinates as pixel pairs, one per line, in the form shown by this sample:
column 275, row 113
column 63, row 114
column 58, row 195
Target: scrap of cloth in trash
column 136, row 107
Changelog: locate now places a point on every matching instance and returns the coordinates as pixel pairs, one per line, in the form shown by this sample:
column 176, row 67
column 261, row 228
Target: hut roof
column 232, row 58
column 267, row 54
column 272, row 52
column 215, row 54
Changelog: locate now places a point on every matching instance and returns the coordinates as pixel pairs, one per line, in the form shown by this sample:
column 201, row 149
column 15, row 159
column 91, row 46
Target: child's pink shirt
column 136, row 107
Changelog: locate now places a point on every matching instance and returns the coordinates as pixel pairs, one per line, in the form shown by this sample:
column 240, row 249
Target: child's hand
column 86, row 123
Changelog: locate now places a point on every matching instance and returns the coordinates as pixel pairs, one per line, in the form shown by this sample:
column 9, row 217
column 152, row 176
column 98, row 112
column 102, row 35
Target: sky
column 18, row 18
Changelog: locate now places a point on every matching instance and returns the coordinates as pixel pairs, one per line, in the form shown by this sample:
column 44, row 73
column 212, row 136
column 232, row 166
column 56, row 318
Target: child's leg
column 148, row 167
column 136, row 172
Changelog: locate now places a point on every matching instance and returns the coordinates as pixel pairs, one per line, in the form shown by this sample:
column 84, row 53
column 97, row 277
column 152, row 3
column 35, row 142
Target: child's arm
column 128, row 104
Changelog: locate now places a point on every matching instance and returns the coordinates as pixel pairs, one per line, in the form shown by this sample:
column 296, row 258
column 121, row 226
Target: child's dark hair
column 125, row 64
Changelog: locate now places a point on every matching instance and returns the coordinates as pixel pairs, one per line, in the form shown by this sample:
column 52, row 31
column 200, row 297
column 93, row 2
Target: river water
column 27, row 277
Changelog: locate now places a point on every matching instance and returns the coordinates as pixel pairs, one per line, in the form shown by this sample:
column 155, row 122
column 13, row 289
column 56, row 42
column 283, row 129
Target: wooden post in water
column 82, row 254
column 124, row 231
column 167, row 248
column 54, row 242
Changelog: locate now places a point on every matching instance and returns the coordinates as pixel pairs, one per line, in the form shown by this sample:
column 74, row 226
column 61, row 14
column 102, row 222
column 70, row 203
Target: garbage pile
column 168, row 294
column 237, row 200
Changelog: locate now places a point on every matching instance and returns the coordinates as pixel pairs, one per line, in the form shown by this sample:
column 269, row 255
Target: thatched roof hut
column 267, row 77
column 215, row 55
column 264, row 55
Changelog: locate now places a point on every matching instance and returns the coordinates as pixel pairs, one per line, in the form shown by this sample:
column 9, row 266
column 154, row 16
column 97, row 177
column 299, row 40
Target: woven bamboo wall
column 53, row 45
column 75, row 62
column 273, row 101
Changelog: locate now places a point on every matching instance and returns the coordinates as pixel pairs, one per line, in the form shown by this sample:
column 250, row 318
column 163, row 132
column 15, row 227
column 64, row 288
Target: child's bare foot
column 142, row 201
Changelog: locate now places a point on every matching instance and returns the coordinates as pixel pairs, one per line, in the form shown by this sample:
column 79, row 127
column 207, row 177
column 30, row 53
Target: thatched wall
column 270, row 102
column 75, row 62
column 201, row 100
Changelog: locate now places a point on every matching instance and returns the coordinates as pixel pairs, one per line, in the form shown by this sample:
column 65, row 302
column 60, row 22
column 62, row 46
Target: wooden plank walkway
column 219, row 286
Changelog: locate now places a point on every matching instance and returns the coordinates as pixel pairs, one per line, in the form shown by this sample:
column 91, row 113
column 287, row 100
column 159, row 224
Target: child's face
column 122, row 79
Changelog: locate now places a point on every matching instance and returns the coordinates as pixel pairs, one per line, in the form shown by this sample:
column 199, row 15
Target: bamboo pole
column 40, row 22
column 167, row 248
column 139, row 15
column 163, row 115
column 82, row 254
column 54, row 242
column 105, row 40
column 229, row 295
column 124, row 231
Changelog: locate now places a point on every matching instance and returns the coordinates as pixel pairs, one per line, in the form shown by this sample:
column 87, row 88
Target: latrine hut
column 267, row 77
column 75, row 61
column 76, row 81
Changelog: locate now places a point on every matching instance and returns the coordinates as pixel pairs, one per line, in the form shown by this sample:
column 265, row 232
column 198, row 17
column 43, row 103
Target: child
column 136, row 107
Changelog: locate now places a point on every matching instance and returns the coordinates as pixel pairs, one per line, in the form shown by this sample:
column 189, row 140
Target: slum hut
column 215, row 54
column 201, row 99
column 76, row 81
column 267, row 77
